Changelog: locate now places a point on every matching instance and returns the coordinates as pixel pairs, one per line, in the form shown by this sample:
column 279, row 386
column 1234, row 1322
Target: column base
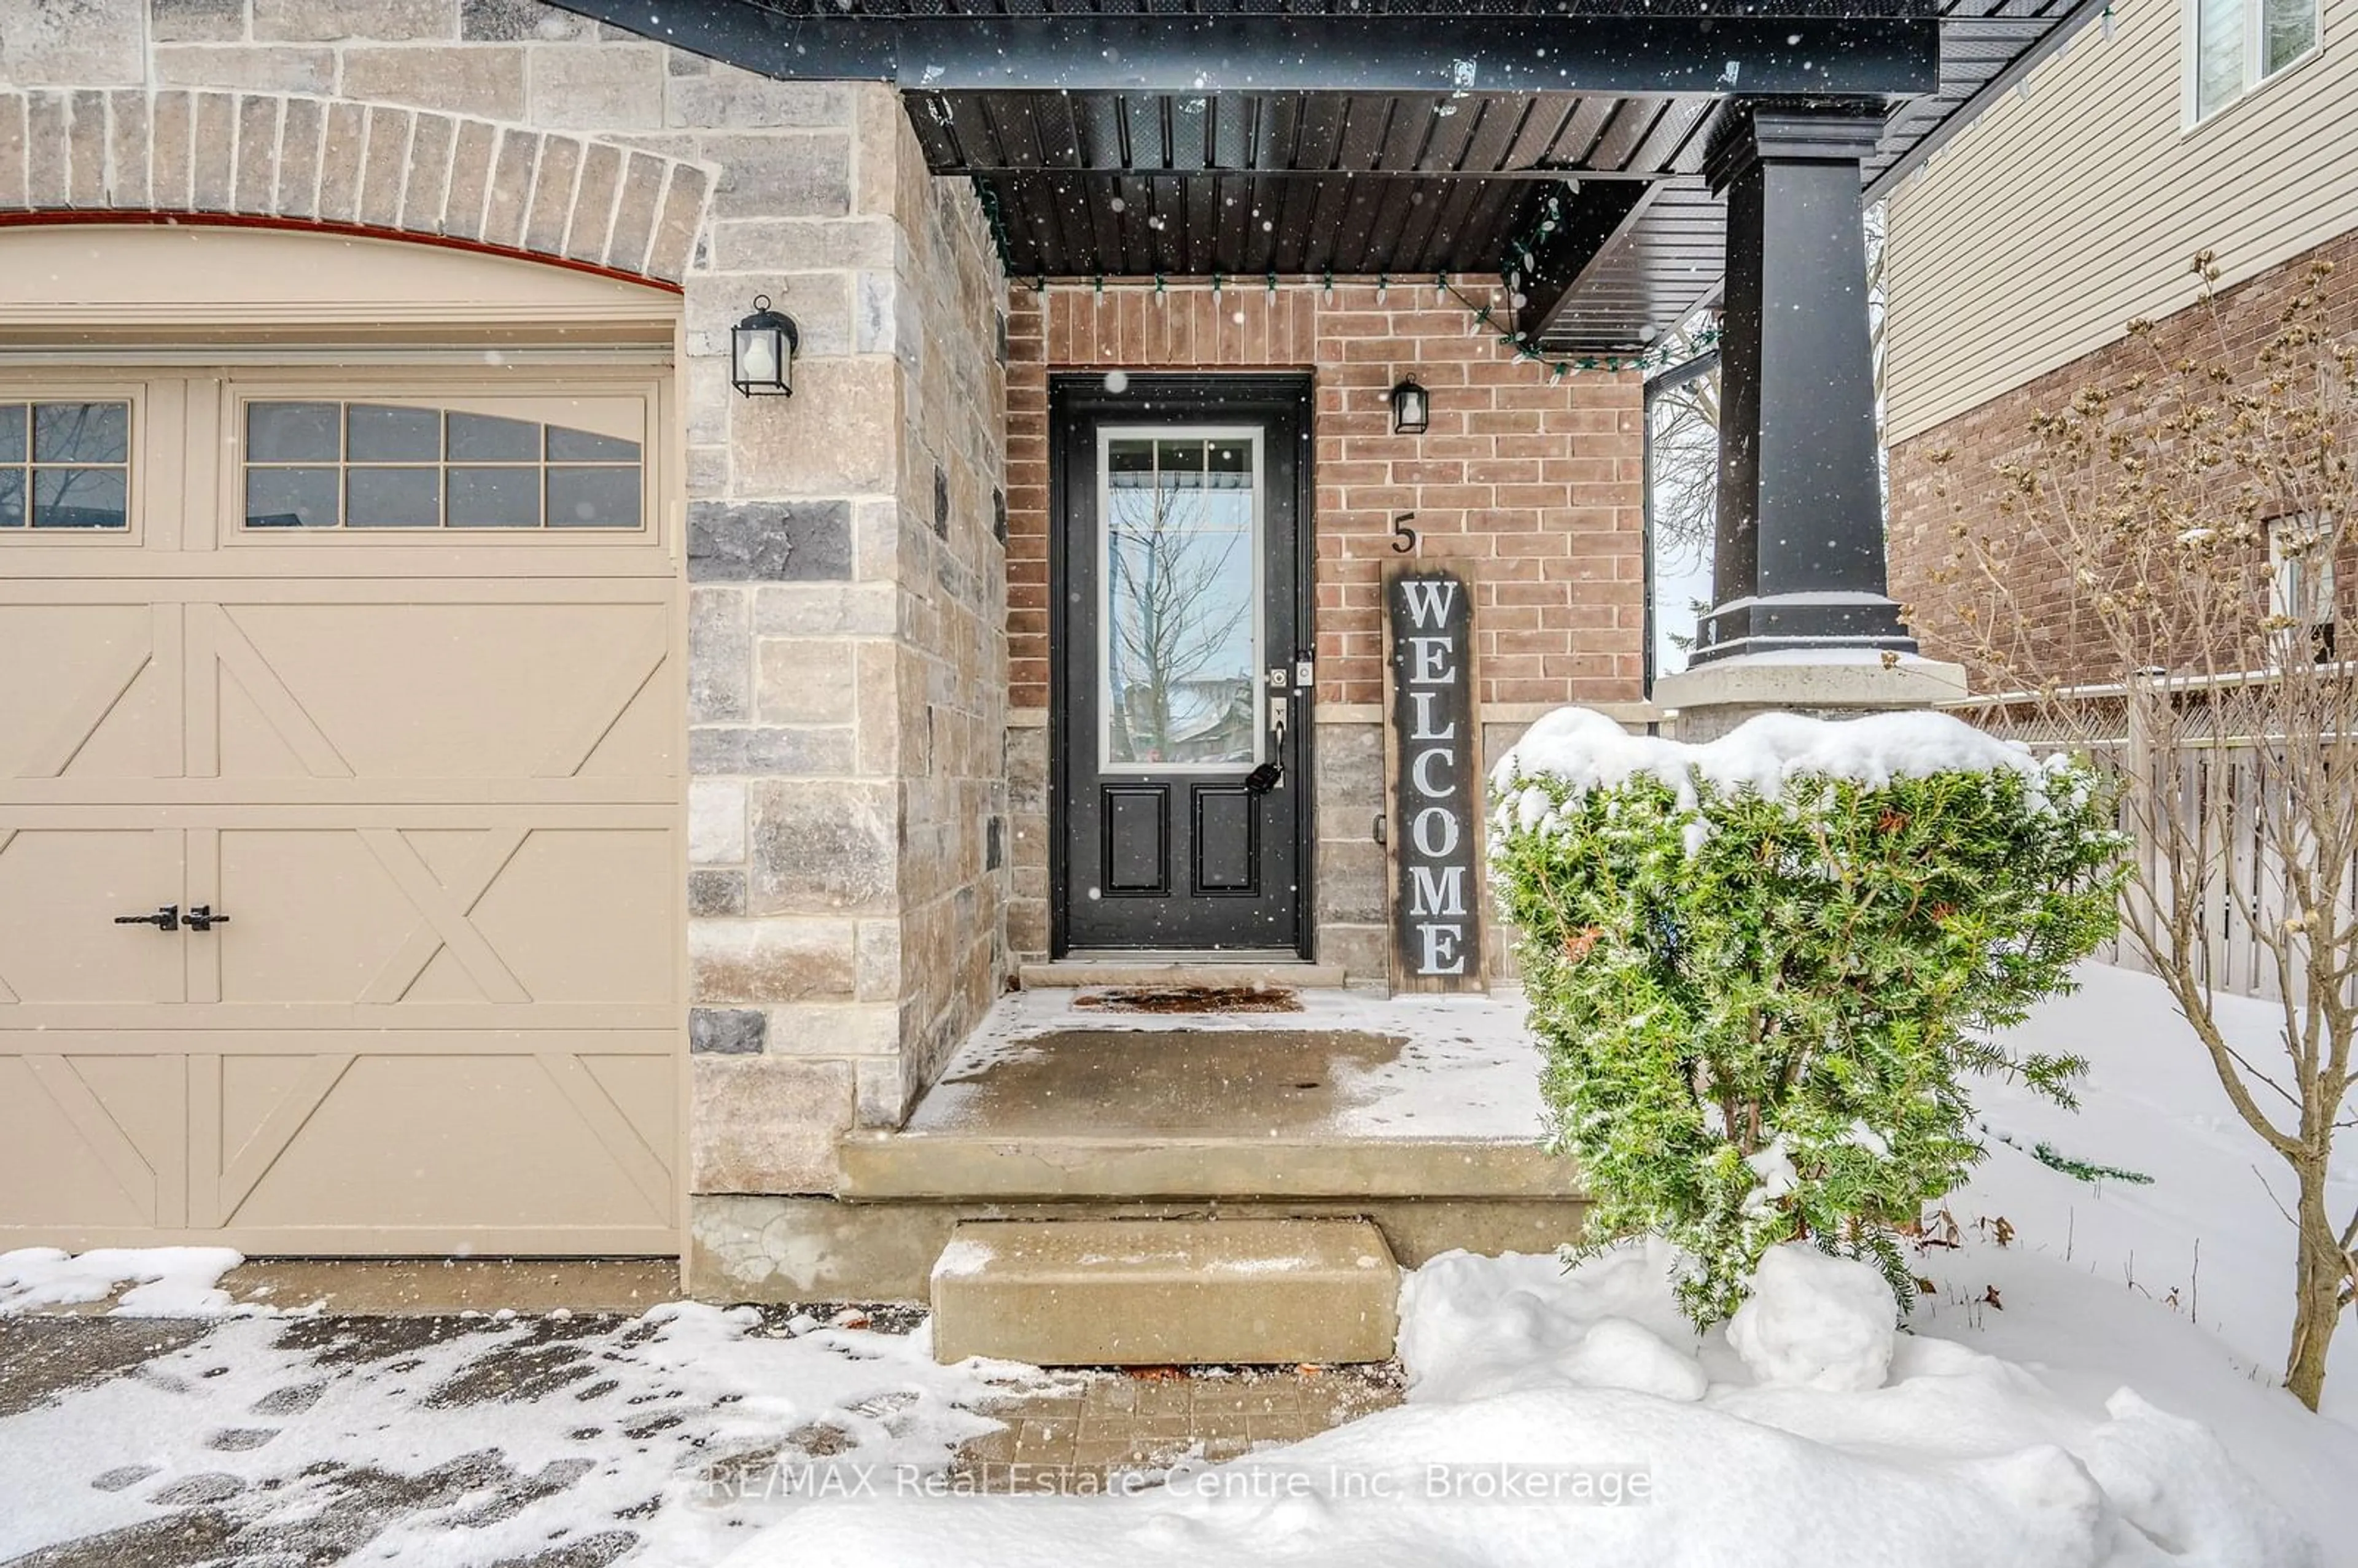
column 1710, row 700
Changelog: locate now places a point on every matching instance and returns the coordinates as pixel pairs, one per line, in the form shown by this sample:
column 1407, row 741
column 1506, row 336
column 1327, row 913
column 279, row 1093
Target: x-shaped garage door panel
column 443, row 913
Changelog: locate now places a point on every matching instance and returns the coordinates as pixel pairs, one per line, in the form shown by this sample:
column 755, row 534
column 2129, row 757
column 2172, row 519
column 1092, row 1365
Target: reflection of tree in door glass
column 1182, row 638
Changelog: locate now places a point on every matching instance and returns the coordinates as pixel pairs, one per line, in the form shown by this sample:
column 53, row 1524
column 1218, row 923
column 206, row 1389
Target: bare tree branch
column 2181, row 529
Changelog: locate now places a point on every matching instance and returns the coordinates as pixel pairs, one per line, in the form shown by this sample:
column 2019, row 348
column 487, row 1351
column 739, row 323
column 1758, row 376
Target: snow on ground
column 2070, row 1391
column 2054, row 1400
column 2206, row 1236
column 167, row 1281
column 459, row 1444
column 1632, row 1441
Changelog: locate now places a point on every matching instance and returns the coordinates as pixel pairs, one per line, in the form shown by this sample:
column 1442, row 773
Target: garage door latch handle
column 164, row 919
column 202, row 918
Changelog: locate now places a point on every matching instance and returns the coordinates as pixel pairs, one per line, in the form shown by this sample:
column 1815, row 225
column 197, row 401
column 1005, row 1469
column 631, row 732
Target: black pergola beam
column 1595, row 217
column 1242, row 171
column 1198, row 54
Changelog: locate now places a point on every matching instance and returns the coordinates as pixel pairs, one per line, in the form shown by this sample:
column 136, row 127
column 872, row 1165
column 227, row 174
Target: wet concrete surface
column 1170, row 1083
column 215, row 1521
column 446, row 1286
column 1071, row 1434
column 41, row 1358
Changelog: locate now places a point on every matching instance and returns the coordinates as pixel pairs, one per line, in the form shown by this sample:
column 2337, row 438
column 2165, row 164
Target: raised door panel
column 316, row 915
column 504, row 1138
column 90, row 1143
column 61, row 889
column 451, row 691
column 585, row 914
column 398, row 916
column 89, row 691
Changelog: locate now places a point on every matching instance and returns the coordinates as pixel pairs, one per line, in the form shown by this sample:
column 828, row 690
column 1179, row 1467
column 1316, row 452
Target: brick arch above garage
column 340, row 164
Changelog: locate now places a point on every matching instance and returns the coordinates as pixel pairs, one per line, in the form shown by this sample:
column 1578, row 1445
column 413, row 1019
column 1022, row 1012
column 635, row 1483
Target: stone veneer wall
column 1946, row 478
column 847, row 662
column 951, row 669
column 1536, row 484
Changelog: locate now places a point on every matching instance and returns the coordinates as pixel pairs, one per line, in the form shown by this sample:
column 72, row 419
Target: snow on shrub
column 1763, row 968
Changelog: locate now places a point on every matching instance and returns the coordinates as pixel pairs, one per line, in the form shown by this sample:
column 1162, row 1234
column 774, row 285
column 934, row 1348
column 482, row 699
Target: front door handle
column 202, row 918
column 164, row 919
column 1265, row 778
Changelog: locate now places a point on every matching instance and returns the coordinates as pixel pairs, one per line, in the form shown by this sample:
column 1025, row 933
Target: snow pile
column 167, row 1281
column 1815, row 1321
column 1471, row 1328
column 1562, row 1417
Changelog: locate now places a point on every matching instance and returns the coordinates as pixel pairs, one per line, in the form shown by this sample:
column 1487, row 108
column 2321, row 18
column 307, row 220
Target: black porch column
column 1799, row 561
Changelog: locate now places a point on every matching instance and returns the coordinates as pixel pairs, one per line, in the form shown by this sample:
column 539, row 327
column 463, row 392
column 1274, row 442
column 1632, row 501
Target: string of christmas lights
column 1483, row 318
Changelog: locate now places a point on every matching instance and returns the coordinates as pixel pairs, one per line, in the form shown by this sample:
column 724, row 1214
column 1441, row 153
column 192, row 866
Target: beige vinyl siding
column 2039, row 232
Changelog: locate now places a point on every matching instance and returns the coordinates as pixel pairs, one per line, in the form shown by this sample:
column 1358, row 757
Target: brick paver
column 1079, row 1435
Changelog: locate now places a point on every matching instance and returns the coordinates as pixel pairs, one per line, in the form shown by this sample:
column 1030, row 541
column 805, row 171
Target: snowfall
column 2089, row 1380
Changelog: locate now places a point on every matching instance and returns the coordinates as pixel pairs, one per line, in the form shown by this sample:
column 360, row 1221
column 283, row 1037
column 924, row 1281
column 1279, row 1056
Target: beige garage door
column 362, row 684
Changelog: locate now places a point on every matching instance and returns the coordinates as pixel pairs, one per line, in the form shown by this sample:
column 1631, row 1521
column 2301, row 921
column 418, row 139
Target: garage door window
column 368, row 465
column 65, row 465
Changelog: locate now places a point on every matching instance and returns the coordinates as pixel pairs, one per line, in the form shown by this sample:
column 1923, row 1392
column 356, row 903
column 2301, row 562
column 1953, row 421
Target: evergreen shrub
column 1766, row 971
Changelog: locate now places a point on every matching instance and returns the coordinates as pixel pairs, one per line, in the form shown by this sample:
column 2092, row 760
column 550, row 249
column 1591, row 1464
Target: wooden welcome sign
column 1432, row 776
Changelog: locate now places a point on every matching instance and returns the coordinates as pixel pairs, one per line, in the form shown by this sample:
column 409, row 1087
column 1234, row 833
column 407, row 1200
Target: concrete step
column 762, row 1248
column 1166, row 1292
column 1155, row 969
column 1037, row 1167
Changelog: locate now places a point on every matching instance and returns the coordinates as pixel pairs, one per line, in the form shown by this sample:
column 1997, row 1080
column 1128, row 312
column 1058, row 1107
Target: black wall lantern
column 1412, row 409
column 762, row 351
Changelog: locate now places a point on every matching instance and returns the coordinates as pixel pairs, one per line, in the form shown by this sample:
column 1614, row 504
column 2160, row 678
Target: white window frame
column 135, row 465
column 2301, row 588
column 466, row 391
column 2255, row 75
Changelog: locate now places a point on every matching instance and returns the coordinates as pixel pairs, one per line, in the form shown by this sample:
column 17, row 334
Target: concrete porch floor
column 1420, row 1113
column 1353, row 1095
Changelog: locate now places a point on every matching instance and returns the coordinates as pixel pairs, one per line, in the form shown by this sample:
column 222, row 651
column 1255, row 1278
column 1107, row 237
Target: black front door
column 1181, row 651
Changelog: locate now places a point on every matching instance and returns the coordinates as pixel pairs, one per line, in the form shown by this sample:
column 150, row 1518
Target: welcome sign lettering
column 1433, row 749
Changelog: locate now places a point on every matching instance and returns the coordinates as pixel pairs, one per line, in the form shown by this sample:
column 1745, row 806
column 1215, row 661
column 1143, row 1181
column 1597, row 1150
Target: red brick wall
column 1931, row 497
column 1537, row 484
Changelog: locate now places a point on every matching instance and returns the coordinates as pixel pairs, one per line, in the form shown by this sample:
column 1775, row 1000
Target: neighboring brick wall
column 1930, row 498
column 845, row 664
column 1535, row 485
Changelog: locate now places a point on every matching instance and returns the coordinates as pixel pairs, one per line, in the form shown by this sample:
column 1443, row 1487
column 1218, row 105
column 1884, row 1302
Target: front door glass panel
column 1180, row 624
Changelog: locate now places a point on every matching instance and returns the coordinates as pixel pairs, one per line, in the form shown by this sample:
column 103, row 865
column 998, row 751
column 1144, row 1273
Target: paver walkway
column 1117, row 1423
